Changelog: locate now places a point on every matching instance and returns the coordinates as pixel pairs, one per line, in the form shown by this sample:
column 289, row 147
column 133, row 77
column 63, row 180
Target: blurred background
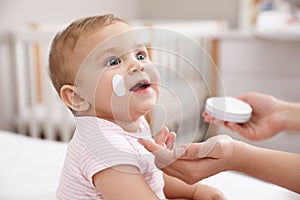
column 245, row 45
column 252, row 45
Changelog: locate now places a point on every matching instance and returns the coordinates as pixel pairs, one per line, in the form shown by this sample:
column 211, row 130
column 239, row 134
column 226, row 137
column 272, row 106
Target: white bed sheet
column 30, row 169
column 237, row 186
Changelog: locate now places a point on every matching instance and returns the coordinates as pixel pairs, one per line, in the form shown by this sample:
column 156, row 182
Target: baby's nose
column 136, row 68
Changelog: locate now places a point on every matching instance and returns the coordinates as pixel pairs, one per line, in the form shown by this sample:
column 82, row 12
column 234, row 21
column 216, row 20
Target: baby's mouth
column 141, row 85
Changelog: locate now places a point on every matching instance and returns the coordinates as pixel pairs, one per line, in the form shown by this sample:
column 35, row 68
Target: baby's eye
column 141, row 56
column 113, row 62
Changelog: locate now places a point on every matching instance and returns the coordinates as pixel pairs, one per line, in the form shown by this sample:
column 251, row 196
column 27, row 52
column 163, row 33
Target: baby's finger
column 163, row 156
column 162, row 136
column 171, row 140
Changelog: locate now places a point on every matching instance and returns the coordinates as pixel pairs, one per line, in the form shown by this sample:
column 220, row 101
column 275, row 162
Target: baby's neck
column 130, row 126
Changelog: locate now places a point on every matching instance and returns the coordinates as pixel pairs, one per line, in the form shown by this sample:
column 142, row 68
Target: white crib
column 40, row 113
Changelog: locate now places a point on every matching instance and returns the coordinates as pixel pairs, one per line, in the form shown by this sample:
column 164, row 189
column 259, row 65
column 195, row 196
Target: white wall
column 191, row 9
column 14, row 13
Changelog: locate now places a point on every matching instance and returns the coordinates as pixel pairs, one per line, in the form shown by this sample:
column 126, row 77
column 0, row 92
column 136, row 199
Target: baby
column 103, row 73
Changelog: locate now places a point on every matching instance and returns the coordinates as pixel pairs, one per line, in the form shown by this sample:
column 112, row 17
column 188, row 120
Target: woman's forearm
column 291, row 116
column 280, row 168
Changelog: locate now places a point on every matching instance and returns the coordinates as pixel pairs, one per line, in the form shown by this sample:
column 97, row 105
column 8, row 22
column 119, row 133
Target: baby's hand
column 207, row 192
column 166, row 138
column 161, row 148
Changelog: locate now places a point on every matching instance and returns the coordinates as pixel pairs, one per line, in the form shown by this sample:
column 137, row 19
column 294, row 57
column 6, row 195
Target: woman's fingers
column 210, row 119
column 211, row 148
column 149, row 145
column 188, row 151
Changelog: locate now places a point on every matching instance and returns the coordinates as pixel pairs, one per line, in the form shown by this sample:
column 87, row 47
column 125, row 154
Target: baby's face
column 117, row 77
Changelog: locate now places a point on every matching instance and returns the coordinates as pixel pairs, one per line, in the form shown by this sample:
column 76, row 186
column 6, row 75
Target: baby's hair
column 62, row 56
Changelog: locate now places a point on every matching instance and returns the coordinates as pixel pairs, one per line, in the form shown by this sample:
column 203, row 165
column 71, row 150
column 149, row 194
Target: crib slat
column 21, row 87
column 39, row 110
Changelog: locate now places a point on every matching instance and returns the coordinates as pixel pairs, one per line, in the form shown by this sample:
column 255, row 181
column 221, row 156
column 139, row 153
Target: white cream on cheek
column 118, row 85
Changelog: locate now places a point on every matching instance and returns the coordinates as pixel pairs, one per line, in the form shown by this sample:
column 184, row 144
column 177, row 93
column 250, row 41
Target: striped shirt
column 99, row 144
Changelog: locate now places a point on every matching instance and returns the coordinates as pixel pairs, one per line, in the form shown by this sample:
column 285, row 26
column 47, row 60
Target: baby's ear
column 72, row 99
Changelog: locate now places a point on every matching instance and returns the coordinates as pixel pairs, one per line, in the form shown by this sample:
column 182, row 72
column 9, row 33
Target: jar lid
column 228, row 109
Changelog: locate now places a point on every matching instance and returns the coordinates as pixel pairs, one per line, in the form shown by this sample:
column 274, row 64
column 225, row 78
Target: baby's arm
column 176, row 188
column 123, row 181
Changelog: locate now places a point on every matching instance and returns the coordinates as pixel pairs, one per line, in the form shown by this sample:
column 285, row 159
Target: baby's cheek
column 154, row 75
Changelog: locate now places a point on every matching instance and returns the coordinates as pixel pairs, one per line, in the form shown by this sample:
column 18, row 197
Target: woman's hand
column 194, row 162
column 266, row 121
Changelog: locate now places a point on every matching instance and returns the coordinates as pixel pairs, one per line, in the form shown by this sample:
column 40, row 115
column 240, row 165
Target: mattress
column 30, row 170
column 30, row 167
